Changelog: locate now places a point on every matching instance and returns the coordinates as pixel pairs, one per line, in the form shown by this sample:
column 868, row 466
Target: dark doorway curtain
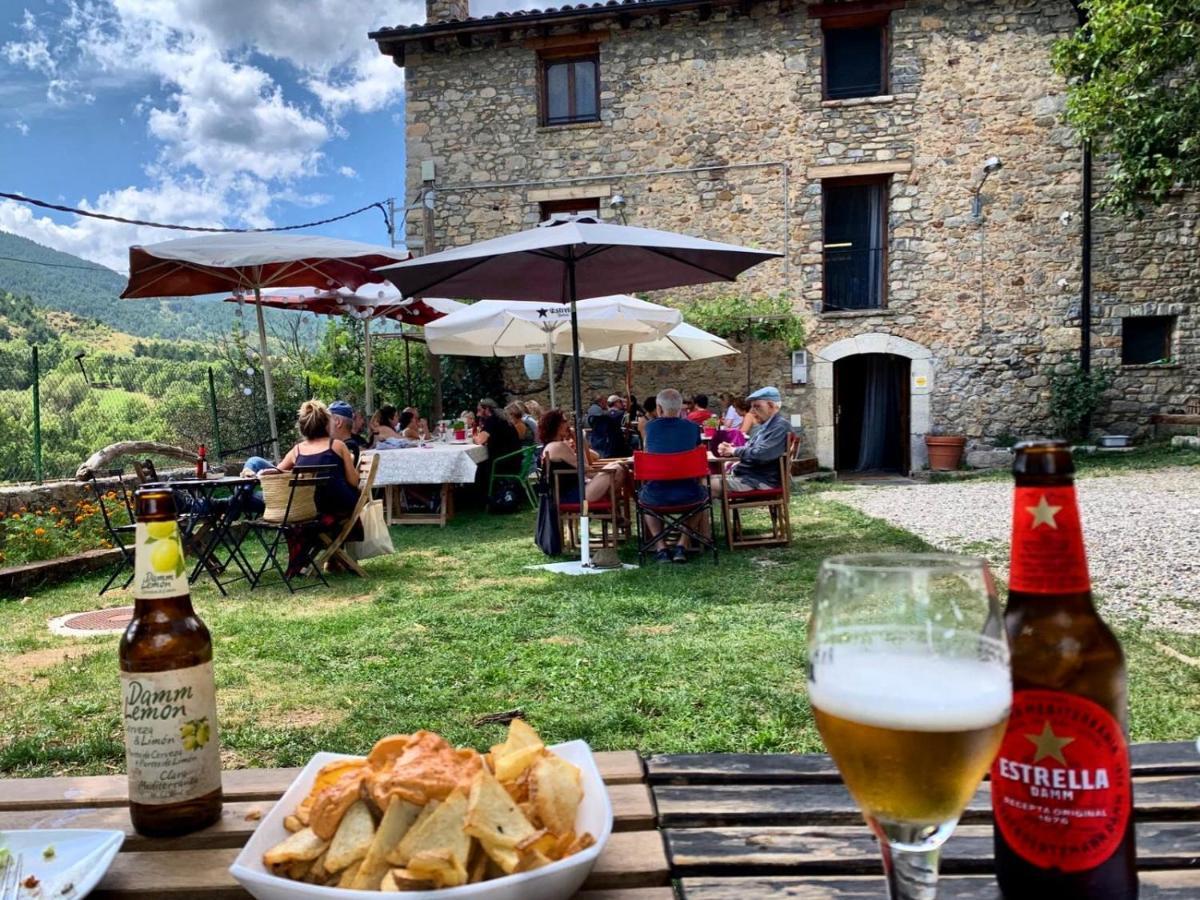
column 880, row 443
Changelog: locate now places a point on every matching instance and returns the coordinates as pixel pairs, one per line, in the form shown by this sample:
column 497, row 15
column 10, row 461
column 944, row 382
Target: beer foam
column 887, row 687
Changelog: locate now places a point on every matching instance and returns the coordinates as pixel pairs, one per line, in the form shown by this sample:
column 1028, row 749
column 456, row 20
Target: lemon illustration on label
column 165, row 556
column 195, row 734
column 158, row 531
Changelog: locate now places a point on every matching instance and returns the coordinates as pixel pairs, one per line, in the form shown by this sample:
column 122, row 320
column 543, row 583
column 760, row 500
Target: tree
column 1135, row 94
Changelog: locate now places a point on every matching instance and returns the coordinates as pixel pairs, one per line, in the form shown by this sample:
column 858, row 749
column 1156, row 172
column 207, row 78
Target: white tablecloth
column 435, row 464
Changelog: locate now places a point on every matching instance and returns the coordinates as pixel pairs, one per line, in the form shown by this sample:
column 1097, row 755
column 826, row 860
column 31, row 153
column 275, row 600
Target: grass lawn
column 453, row 627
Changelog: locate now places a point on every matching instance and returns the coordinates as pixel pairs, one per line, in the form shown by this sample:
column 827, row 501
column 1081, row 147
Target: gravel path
column 1142, row 533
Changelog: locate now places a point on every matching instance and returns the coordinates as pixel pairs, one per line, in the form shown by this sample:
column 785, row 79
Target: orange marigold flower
column 78, row 520
column 39, row 531
column 16, row 516
column 54, row 510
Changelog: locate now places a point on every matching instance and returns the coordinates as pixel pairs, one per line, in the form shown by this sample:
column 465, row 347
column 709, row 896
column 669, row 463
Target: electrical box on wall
column 428, row 172
column 799, row 367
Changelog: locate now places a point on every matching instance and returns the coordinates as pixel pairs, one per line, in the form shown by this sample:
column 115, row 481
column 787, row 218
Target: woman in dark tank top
column 338, row 495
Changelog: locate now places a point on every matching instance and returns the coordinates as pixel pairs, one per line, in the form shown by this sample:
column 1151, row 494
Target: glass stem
column 911, row 874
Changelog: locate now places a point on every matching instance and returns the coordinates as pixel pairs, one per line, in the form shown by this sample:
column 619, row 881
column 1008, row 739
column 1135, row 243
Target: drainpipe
column 1085, row 260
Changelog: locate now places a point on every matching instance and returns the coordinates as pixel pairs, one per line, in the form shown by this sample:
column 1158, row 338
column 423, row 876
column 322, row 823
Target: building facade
column 940, row 292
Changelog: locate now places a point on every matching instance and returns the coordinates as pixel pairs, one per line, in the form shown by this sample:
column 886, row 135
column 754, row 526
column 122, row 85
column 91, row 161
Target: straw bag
column 277, row 488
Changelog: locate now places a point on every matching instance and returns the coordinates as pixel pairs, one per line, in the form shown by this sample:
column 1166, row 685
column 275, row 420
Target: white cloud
column 34, row 53
column 347, row 172
column 20, row 126
column 186, row 202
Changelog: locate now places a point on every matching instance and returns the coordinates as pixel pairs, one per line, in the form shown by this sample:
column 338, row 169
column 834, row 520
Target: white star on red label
column 1043, row 513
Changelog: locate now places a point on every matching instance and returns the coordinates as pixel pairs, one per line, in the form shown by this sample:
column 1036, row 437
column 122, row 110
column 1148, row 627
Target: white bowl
column 81, row 857
column 557, row 881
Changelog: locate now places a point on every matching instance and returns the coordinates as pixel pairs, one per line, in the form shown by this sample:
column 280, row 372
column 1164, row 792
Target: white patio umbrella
column 683, row 343
column 248, row 263
column 514, row 327
column 567, row 260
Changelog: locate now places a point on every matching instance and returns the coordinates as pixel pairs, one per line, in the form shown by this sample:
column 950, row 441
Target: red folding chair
column 691, row 465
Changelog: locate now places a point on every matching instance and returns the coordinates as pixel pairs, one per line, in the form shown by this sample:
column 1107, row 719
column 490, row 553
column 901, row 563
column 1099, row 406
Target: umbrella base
column 575, row 567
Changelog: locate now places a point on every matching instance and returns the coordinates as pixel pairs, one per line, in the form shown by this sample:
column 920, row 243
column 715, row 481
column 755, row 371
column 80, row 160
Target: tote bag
column 377, row 540
column 548, row 535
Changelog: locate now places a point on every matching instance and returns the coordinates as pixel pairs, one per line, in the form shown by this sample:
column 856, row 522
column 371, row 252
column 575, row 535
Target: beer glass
column 910, row 685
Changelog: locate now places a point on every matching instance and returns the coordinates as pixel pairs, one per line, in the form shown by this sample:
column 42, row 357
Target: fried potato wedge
column 353, row 838
column 517, row 753
column 442, row 830
column 396, row 822
column 304, row 845
column 401, row 880
column 441, row 867
column 493, row 816
column 556, row 790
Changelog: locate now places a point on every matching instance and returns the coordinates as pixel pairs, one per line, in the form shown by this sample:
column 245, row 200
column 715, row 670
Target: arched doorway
column 917, row 393
column 870, row 403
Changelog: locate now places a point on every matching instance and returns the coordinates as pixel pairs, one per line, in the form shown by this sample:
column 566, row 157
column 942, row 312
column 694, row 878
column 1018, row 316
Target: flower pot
column 460, row 434
column 945, row 451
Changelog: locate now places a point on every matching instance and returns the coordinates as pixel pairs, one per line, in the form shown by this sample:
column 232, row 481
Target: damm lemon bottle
column 172, row 751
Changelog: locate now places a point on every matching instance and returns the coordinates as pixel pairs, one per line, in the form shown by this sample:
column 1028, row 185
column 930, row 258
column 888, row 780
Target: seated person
column 558, row 454
column 758, row 461
column 420, row 425
column 616, row 407
column 749, row 424
column 608, row 438
column 498, row 435
column 341, row 427
column 668, row 432
column 700, row 412
column 335, row 497
column 410, row 426
column 531, row 410
column 385, row 423
column 516, row 417
column 468, row 419
column 731, row 418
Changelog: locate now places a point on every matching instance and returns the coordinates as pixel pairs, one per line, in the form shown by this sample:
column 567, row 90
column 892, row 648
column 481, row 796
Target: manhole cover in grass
column 100, row 621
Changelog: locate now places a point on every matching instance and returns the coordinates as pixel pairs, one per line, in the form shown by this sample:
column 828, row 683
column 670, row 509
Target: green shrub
column 1074, row 397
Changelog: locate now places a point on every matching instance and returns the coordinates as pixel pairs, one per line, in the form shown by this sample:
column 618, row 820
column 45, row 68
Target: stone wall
column 713, row 123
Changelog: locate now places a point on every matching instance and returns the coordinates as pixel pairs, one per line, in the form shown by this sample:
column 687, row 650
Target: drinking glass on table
column 910, row 685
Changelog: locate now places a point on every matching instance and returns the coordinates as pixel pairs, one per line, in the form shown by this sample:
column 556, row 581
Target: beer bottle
column 1062, row 793
column 172, row 752
column 202, row 462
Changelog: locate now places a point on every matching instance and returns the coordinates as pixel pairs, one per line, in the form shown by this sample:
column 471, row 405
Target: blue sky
column 206, row 112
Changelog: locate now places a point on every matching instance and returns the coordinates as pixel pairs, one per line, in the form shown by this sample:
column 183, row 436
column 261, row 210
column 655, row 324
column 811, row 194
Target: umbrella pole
column 550, row 366
column 629, row 379
column 266, row 367
column 585, row 556
column 369, row 395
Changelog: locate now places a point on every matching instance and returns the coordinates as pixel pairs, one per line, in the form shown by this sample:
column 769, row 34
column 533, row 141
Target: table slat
column 632, row 811
column 616, row 767
column 854, row 850
column 1156, row 799
column 1174, row 885
column 1173, row 758
column 630, row 860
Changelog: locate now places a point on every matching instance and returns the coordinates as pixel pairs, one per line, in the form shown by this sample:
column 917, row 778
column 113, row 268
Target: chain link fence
column 57, row 408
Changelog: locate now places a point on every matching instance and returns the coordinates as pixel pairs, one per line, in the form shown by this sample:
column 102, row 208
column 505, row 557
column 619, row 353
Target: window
column 570, row 89
column 560, row 209
column 856, row 56
column 855, row 212
column 1146, row 339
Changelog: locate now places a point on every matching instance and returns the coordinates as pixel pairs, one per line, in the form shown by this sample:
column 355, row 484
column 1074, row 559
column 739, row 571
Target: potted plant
column 459, row 427
column 945, row 450
column 711, row 424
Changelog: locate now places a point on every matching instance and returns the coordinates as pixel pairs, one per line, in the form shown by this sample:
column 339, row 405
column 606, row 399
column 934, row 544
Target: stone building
column 852, row 136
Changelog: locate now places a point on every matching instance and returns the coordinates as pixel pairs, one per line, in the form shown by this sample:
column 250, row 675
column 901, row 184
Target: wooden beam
column 586, row 40
column 855, row 8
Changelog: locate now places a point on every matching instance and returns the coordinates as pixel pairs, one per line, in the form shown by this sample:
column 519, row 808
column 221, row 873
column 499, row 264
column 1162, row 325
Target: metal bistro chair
column 272, row 528
column 121, row 536
column 777, row 502
column 691, row 465
column 528, row 456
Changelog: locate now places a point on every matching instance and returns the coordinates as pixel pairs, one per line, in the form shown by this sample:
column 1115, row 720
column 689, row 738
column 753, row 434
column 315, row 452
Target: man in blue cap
column 758, row 460
column 341, row 427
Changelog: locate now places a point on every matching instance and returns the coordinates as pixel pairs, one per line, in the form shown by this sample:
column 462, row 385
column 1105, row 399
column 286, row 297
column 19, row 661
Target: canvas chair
column 691, row 465
column 120, row 536
column 333, row 543
column 776, row 501
column 298, row 514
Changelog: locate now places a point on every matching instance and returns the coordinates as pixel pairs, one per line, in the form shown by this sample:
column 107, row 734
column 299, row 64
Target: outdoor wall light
column 617, row 201
column 991, row 164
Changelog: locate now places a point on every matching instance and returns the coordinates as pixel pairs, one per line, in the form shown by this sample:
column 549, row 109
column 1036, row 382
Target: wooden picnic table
column 633, row 865
column 745, row 826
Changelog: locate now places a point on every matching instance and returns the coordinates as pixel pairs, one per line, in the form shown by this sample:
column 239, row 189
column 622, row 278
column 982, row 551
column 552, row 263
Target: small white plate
column 81, row 857
column 557, row 881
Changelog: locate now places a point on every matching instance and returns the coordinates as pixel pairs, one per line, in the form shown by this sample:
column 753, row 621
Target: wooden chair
column 606, row 511
column 333, row 544
column 776, row 501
